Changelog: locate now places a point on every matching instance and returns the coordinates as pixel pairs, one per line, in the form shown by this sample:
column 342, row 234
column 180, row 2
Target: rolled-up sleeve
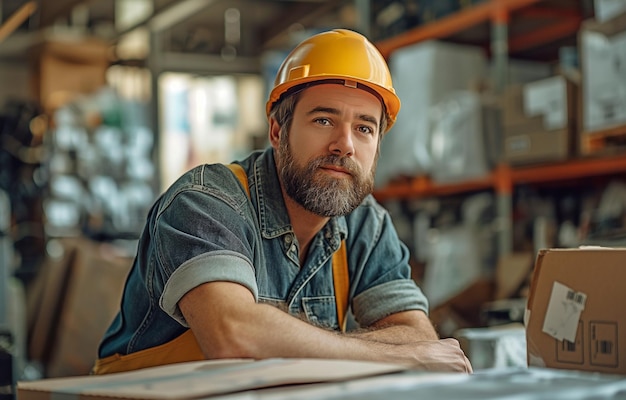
column 211, row 267
column 376, row 303
column 200, row 238
column 380, row 268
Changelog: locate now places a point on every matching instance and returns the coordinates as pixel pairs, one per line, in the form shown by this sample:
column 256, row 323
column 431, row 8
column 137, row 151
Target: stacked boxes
column 66, row 70
column 426, row 75
column 603, row 62
column 539, row 121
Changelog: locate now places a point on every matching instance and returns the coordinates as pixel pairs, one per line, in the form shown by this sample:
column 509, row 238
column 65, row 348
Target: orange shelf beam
column 581, row 168
column 503, row 178
column 422, row 186
column 594, row 141
column 558, row 30
column 453, row 23
column 547, row 12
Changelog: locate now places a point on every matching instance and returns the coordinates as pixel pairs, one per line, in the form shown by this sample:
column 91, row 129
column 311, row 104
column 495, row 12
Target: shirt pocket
column 280, row 304
column 321, row 311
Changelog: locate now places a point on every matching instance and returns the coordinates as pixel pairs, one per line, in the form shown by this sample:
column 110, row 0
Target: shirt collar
column 273, row 217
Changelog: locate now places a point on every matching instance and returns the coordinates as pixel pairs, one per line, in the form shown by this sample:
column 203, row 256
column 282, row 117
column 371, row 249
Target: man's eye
column 322, row 121
column 366, row 129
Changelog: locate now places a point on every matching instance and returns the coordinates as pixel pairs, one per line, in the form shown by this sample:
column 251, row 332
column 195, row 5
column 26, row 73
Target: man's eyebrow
column 320, row 109
column 368, row 118
column 334, row 111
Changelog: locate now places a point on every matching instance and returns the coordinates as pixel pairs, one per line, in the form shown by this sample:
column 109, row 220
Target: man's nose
column 342, row 143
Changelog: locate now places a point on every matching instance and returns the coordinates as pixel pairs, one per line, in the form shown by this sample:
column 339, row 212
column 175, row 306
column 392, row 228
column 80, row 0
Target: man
column 245, row 270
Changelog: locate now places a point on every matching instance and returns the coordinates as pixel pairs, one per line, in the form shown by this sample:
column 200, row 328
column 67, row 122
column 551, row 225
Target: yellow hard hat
column 338, row 54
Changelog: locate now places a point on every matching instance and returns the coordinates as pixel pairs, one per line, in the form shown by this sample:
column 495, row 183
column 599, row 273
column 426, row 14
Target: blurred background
column 510, row 139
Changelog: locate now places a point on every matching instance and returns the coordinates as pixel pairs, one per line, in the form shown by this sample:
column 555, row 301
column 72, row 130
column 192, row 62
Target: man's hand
column 413, row 331
column 228, row 323
column 443, row 355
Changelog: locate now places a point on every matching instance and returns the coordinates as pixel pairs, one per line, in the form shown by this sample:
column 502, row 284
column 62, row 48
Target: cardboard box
column 574, row 317
column 604, row 10
column 603, row 64
column 444, row 68
column 66, row 69
column 79, row 294
column 539, row 121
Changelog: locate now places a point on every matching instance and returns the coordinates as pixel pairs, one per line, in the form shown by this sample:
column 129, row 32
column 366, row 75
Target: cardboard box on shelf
column 604, row 10
column 603, row 64
column 66, row 69
column 573, row 318
column 445, row 68
column 539, row 121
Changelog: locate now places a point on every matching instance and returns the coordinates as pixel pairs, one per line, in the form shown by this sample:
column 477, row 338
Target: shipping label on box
column 573, row 318
column 547, row 98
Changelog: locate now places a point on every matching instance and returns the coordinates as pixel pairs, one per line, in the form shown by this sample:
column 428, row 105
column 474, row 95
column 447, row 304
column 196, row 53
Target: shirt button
column 288, row 239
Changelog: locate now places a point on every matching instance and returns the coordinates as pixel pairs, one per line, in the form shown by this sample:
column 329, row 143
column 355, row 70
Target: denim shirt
column 205, row 228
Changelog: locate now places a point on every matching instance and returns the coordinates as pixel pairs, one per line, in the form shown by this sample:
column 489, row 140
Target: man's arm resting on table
column 400, row 328
column 228, row 323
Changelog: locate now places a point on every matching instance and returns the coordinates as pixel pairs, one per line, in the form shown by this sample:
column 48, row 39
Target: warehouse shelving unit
column 504, row 178
column 532, row 23
column 524, row 28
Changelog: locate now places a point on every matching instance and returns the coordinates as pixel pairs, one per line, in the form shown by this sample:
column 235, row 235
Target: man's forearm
column 286, row 336
column 232, row 325
column 394, row 335
column 400, row 328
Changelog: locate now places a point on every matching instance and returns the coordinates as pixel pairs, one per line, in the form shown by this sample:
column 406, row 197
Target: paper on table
column 203, row 378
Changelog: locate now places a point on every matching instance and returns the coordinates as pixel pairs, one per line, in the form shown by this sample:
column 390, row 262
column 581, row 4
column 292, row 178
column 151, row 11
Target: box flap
column 535, row 277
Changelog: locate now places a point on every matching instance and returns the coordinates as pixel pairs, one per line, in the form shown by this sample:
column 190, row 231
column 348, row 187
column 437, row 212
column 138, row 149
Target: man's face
column 327, row 161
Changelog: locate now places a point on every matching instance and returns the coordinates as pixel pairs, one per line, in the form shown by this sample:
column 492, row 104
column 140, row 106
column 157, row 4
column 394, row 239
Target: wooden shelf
column 504, row 178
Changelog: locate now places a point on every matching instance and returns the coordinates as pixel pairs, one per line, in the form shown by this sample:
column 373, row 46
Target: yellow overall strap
column 341, row 281
column 240, row 173
column 186, row 348
column 183, row 348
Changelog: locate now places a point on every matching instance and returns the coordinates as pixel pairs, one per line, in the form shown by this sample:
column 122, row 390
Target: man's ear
column 274, row 132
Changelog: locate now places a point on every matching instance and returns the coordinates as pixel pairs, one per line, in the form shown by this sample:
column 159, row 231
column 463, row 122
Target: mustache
column 338, row 161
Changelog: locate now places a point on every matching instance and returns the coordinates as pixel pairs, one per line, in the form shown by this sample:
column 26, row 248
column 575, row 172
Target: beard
column 318, row 192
